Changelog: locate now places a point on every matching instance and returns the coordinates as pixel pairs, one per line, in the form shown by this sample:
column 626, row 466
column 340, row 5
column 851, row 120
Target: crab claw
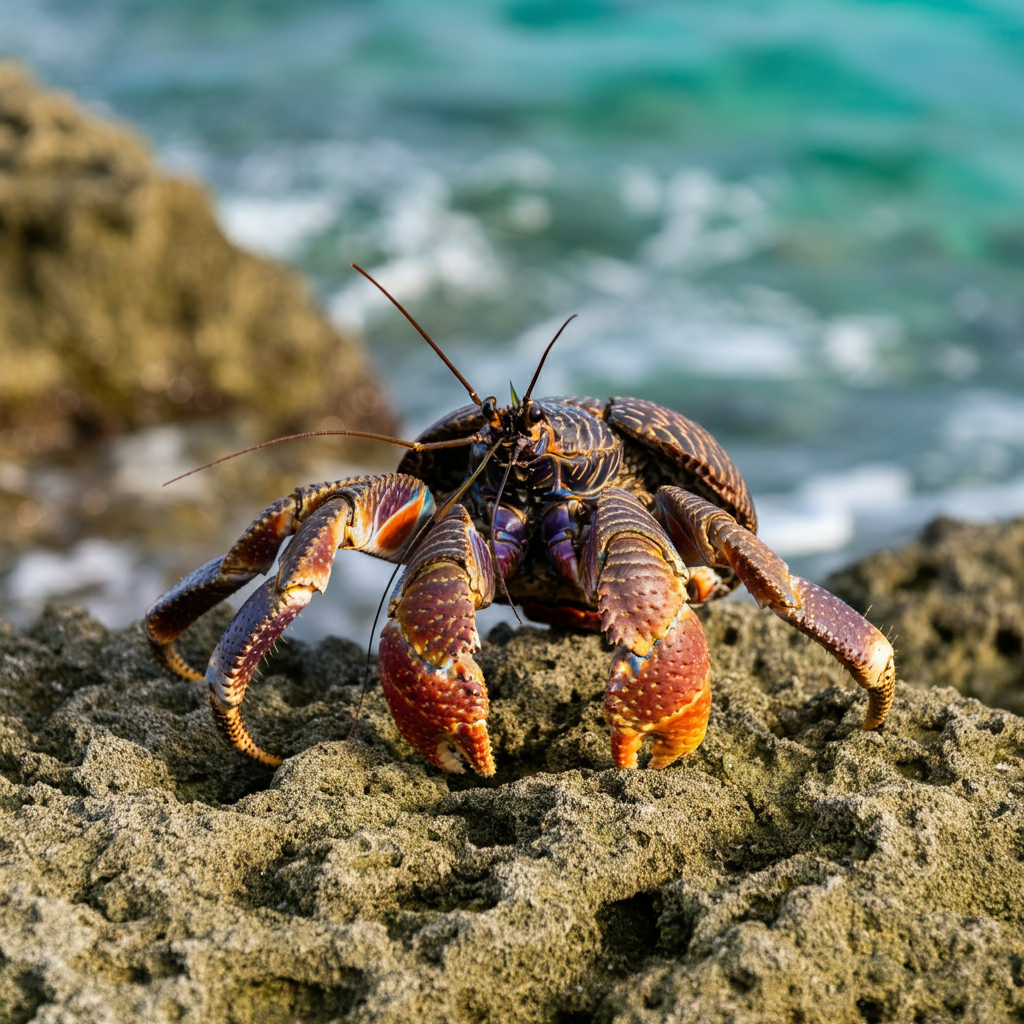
column 439, row 710
column 665, row 695
column 432, row 683
column 660, row 681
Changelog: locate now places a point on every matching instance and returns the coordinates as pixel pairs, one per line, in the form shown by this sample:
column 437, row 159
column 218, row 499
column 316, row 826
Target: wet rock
column 954, row 605
column 792, row 868
column 123, row 305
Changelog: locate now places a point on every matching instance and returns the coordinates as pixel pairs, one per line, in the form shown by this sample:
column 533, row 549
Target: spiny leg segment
column 431, row 681
column 660, row 680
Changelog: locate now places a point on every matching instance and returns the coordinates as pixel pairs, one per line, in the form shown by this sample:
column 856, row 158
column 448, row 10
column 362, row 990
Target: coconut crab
column 614, row 516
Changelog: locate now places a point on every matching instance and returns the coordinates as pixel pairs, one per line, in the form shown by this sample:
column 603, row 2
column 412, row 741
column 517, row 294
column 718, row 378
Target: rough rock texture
column 122, row 304
column 793, row 868
column 954, row 605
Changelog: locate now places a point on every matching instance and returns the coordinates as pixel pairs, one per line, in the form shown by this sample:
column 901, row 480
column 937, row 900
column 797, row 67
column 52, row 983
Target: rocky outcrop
column 122, row 304
column 954, row 605
column 794, row 868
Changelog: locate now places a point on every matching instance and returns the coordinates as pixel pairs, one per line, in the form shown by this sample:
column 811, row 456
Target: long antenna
column 416, row 446
column 426, row 337
column 540, row 365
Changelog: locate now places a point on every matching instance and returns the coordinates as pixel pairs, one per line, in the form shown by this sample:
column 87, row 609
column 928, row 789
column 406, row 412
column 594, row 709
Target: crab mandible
column 616, row 517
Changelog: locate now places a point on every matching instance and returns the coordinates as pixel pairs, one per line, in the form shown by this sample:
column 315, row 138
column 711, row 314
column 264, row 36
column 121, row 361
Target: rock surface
column 793, row 868
column 122, row 304
column 954, row 605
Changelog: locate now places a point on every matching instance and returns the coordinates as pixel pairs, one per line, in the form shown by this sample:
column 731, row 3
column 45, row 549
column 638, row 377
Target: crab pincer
column 432, row 684
column 660, row 680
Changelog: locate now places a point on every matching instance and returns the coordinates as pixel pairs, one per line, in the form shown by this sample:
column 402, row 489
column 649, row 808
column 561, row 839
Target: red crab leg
column 374, row 514
column 705, row 534
column 432, row 683
column 660, row 681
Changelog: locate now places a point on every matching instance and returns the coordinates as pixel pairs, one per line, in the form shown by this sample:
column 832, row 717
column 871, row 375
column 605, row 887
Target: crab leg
column 432, row 683
column 251, row 555
column 660, row 680
column 704, row 534
column 384, row 505
column 378, row 515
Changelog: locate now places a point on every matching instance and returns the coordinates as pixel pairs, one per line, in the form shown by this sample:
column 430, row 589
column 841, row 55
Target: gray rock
column 794, row 868
column 954, row 604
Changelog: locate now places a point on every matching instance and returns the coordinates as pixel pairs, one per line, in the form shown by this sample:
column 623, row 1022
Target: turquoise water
column 800, row 223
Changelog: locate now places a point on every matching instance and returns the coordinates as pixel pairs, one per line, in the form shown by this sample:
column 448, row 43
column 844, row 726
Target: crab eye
column 535, row 413
column 488, row 408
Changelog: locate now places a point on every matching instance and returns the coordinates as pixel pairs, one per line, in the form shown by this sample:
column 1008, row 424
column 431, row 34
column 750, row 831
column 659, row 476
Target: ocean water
column 800, row 223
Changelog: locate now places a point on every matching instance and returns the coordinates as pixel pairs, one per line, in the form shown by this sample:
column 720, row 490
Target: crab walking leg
column 432, row 683
column 708, row 535
column 386, row 510
column 377, row 515
column 251, row 555
column 660, row 680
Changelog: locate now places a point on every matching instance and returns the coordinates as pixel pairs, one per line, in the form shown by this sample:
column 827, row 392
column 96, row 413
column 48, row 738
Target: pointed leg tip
column 228, row 719
column 475, row 743
column 168, row 656
column 447, row 748
column 880, row 694
column 626, row 744
column 879, row 703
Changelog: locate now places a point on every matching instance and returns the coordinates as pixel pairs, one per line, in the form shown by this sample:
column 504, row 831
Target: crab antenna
column 416, row 446
column 426, row 337
column 540, row 365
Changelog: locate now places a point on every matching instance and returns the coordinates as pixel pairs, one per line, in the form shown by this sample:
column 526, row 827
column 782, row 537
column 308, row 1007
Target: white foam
column 104, row 576
column 825, row 512
column 640, row 191
column 275, row 227
column 985, row 416
column 856, row 346
column 144, row 461
column 791, row 530
column 519, row 165
column 430, row 245
column 707, row 221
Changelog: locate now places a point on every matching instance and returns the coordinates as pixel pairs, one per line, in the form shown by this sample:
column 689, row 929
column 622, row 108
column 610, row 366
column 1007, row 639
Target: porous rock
column 794, row 868
column 122, row 304
column 954, row 606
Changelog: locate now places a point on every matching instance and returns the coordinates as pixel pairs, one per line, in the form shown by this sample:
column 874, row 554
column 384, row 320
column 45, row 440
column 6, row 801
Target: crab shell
column 614, row 516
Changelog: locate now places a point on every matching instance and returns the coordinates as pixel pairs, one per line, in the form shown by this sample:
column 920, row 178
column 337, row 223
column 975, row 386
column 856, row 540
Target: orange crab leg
column 432, row 683
column 660, row 680
column 710, row 536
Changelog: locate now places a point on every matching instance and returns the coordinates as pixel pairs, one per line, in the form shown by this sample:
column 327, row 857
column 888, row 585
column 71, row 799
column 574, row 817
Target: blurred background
column 799, row 223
